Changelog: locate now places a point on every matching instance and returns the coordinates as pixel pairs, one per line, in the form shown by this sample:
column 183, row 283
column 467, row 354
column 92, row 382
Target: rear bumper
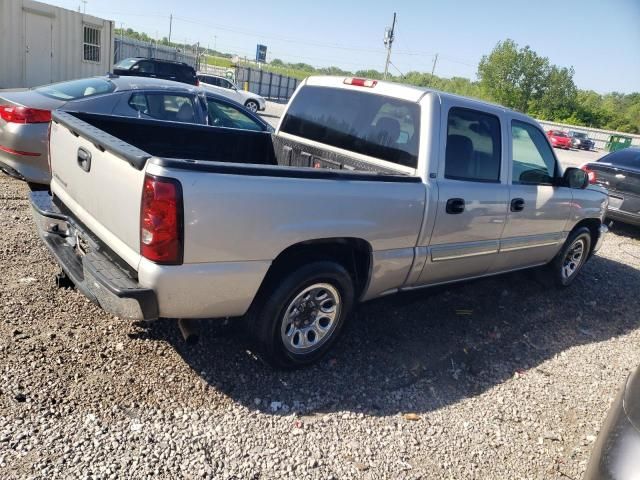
column 97, row 274
column 624, row 217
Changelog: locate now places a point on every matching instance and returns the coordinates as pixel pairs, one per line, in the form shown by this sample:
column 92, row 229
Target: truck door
column 538, row 209
column 472, row 195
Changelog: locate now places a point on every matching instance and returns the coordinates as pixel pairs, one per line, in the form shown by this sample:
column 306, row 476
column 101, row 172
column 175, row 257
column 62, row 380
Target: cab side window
column 533, row 159
column 474, row 150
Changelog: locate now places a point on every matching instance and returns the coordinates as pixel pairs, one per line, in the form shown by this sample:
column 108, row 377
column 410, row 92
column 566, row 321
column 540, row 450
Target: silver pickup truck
column 366, row 188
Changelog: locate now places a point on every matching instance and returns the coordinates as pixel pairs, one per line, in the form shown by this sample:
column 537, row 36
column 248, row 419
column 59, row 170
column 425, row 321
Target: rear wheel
column 566, row 265
column 252, row 105
column 302, row 314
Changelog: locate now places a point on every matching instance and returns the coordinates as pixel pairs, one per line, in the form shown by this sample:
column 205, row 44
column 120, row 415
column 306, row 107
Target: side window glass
column 174, row 108
column 222, row 115
column 145, row 67
column 226, row 84
column 533, row 160
column 473, row 151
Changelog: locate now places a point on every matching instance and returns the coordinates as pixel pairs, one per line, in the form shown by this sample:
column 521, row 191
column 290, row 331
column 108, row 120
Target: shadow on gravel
column 419, row 351
column 626, row 230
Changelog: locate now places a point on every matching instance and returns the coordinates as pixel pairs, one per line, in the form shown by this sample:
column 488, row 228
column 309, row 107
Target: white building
column 41, row 44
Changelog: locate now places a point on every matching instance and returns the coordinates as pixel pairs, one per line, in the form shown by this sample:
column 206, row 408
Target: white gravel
column 500, row 378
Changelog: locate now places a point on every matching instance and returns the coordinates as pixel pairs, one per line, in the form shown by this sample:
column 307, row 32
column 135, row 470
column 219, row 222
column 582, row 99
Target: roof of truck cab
column 402, row 90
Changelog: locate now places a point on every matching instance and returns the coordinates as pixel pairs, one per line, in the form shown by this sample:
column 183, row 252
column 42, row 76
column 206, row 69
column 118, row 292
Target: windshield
column 580, row 135
column 559, row 134
column 75, row 89
column 126, row 63
column 374, row 125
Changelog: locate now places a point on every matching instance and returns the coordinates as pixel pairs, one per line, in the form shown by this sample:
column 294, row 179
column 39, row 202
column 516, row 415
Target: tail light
column 161, row 221
column 360, row 82
column 590, row 173
column 197, row 82
column 14, row 114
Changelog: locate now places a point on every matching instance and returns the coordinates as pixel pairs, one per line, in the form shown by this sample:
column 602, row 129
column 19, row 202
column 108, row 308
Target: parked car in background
column 581, row 140
column 157, row 68
column 366, row 188
column 619, row 173
column 559, row 139
column 227, row 88
column 25, row 116
column 616, row 453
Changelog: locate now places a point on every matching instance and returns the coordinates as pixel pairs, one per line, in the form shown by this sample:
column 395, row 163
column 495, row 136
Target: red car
column 559, row 139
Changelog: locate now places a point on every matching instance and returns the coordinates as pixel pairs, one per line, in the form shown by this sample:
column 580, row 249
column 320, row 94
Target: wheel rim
column 573, row 259
column 252, row 106
column 311, row 318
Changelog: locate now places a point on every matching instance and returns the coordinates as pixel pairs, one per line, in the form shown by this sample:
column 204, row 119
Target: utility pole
column 170, row 24
column 215, row 42
column 433, row 69
column 84, row 6
column 388, row 42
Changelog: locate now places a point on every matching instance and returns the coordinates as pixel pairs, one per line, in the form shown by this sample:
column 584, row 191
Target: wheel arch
column 593, row 224
column 354, row 254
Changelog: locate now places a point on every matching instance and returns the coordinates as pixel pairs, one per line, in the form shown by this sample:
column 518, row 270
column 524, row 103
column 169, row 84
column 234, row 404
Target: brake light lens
column 161, row 220
column 590, row 173
column 360, row 82
column 15, row 114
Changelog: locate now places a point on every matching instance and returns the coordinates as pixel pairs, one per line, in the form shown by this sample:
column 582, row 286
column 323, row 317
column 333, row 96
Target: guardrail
column 598, row 135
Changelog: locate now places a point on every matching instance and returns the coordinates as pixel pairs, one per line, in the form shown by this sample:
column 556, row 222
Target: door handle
column 517, row 204
column 455, row 206
column 84, row 159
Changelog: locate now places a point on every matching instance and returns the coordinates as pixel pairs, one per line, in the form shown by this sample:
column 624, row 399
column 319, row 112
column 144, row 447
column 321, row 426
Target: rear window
column 374, row 125
column 75, row 89
column 627, row 158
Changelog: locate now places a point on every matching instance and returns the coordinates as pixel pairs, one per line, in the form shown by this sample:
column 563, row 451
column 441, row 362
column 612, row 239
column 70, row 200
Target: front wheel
column 302, row 315
column 252, row 105
column 566, row 265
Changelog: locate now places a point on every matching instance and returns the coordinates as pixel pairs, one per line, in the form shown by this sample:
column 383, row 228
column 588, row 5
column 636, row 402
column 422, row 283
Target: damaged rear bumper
column 96, row 272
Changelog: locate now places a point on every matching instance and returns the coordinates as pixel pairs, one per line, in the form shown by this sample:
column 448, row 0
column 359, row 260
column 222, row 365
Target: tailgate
column 99, row 178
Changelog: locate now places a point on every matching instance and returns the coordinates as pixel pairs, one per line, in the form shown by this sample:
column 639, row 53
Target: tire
column 321, row 286
column 565, row 266
column 252, row 105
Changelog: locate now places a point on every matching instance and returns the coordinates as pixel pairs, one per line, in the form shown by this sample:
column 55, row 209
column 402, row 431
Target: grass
column 287, row 72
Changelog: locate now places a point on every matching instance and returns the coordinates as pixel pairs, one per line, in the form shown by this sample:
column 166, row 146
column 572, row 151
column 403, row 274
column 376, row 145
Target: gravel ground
column 500, row 378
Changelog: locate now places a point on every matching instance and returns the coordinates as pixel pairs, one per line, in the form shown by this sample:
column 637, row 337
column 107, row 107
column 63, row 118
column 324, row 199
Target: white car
column 227, row 88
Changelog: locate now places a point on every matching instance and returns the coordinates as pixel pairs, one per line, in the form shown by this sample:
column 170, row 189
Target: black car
column 157, row 68
column 619, row 172
column 616, row 453
column 581, row 140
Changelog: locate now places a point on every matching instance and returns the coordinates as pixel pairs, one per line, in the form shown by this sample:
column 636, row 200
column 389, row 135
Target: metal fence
column 598, row 135
column 125, row 47
column 272, row 86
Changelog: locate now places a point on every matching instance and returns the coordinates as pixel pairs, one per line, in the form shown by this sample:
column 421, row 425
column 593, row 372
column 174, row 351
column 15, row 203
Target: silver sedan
column 25, row 115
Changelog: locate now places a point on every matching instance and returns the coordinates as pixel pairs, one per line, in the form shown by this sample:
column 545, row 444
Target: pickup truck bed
column 137, row 140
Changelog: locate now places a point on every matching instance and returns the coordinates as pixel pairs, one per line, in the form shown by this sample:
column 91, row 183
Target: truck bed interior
column 206, row 143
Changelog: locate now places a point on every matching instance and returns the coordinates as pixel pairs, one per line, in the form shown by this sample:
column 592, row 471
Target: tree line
column 519, row 78
column 513, row 76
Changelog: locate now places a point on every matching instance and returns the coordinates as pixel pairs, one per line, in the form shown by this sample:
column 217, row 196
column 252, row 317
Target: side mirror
column 575, row 178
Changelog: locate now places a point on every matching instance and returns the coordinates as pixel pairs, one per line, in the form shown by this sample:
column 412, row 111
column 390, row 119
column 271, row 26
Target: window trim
column 446, row 142
column 96, row 46
column 556, row 170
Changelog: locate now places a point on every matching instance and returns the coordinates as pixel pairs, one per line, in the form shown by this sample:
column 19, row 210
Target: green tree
column 512, row 76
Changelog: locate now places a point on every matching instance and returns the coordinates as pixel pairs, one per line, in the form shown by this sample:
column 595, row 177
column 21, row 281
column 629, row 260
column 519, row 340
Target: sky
column 601, row 40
